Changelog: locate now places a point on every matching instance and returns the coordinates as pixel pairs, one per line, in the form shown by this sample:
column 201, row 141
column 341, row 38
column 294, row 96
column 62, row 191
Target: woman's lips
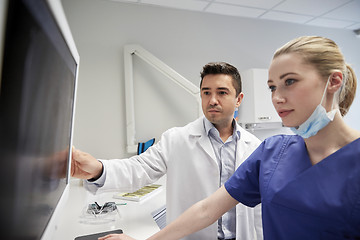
column 284, row 113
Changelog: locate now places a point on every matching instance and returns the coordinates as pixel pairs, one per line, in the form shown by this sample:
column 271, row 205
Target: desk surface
column 135, row 218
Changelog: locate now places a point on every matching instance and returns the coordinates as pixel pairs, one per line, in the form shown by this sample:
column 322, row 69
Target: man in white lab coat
column 197, row 158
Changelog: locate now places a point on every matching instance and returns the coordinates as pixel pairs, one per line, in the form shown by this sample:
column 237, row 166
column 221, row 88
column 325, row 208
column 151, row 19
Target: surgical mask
column 317, row 121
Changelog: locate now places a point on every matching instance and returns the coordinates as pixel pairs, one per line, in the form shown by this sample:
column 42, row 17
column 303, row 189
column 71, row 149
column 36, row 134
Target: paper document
column 140, row 194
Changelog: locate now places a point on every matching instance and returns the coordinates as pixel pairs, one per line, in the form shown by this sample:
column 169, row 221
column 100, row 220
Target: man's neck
column 225, row 131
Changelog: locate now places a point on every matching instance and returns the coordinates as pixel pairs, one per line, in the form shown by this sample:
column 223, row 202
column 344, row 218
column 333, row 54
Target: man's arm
column 85, row 166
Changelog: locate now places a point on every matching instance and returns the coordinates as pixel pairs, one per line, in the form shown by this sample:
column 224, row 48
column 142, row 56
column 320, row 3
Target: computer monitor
column 39, row 66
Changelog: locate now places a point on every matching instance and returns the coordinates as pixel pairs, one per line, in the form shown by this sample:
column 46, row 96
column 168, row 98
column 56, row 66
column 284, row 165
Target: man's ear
column 336, row 80
column 239, row 99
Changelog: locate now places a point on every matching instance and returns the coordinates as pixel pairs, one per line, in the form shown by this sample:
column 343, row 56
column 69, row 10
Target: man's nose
column 213, row 100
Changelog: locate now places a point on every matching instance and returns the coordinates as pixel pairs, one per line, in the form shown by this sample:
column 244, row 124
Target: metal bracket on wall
column 129, row 52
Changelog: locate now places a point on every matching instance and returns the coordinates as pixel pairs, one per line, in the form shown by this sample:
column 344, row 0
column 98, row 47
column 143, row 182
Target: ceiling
column 325, row 13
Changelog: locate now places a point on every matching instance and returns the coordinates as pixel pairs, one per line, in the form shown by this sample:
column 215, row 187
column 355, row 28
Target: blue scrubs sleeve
column 250, row 181
column 243, row 185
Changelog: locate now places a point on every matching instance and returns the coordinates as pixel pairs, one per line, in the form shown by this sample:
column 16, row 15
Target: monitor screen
column 37, row 92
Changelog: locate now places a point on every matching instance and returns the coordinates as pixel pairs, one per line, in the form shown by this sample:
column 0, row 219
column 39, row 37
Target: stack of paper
column 140, row 194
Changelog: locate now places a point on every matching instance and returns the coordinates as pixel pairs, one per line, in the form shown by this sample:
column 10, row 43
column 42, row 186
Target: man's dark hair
column 223, row 68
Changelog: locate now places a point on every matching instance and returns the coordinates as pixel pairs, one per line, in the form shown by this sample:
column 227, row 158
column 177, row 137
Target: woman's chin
column 289, row 125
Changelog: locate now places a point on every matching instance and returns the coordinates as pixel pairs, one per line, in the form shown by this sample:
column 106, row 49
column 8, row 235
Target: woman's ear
column 336, row 80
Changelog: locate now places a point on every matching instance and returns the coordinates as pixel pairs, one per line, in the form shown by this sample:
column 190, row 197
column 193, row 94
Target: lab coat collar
column 197, row 128
column 210, row 129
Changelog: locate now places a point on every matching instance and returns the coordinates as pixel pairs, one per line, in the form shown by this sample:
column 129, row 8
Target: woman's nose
column 278, row 98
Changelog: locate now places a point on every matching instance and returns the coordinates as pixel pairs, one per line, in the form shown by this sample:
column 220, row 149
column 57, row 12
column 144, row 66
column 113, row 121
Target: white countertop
column 134, row 219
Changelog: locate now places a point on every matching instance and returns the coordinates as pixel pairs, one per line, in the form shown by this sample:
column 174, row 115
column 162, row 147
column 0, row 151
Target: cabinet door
column 264, row 109
column 257, row 106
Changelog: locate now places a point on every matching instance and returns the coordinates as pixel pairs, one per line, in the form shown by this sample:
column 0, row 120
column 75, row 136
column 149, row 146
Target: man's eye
column 223, row 93
column 206, row 93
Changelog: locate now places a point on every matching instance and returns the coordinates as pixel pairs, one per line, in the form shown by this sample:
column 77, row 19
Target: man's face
column 219, row 99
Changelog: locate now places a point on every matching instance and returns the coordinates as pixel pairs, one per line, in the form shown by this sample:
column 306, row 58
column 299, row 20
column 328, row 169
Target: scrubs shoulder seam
column 281, row 152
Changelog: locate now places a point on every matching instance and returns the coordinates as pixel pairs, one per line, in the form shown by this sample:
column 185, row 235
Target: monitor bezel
column 56, row 8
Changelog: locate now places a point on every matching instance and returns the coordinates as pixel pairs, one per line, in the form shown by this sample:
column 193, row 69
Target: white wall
column 182, row 39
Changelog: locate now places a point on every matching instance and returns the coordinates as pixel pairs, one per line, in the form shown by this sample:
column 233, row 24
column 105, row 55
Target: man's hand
column 84, row 166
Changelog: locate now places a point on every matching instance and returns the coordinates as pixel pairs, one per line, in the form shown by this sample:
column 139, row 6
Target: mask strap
column 327, row 83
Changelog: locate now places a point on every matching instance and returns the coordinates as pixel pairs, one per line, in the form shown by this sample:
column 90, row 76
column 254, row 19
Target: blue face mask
column 317, row 121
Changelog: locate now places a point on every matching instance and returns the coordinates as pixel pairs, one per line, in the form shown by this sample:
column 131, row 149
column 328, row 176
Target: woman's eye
column 289, row 82
column 272, row 88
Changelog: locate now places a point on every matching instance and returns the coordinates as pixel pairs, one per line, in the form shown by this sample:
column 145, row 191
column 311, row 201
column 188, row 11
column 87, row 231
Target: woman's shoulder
column 282, row 142
column 280, row 138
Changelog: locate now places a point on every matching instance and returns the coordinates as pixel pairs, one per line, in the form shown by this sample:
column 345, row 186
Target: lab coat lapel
column 240, row 153
column 243, row 147
column 198, row 131
column 205, row 144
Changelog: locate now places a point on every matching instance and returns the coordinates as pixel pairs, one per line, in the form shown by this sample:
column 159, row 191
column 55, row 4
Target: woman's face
column 296, row 88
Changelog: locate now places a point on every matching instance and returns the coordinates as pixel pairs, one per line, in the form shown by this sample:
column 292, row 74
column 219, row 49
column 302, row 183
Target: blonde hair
column 326, row 57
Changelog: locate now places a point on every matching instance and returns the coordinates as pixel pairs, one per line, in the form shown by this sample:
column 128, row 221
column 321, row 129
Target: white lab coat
column 186, row 155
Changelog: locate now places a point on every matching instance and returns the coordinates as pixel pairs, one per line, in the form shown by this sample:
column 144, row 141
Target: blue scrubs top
column 301, row 200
